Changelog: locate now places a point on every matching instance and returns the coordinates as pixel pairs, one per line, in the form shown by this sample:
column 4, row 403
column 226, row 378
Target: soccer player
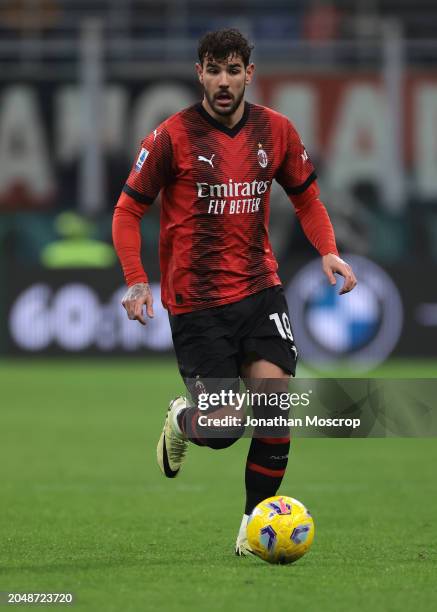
column 214, row 164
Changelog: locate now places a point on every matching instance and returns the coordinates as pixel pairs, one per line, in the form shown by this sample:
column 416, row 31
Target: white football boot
column 172, row 444
column 242, row 547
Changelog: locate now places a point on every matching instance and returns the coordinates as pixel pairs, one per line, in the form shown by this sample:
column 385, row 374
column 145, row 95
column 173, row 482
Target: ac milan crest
column 263, row 160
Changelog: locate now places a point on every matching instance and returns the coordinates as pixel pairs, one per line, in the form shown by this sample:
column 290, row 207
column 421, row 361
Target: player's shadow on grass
column 81, row 564
column 146, row 562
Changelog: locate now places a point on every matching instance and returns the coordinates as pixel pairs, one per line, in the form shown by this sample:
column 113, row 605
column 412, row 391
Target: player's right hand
column 135, row 298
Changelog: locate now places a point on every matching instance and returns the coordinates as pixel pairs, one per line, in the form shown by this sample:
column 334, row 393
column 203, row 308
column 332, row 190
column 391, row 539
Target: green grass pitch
column 85, row 509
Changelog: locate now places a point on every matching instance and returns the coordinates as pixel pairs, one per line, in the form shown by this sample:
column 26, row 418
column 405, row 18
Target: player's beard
column 228, row 111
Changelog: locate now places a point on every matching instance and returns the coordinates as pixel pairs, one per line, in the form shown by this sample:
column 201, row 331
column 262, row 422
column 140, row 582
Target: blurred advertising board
column 392, row 312
column 342, row 117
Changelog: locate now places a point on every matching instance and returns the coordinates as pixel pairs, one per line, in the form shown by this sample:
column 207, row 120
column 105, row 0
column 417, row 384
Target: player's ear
column 249, row 73
column 199, row 71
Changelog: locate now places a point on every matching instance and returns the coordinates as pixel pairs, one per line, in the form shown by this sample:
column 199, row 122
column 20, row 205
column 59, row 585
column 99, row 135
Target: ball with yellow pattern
column 280, row 529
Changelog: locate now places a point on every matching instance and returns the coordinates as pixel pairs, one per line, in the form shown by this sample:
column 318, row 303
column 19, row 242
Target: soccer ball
column 280, row 529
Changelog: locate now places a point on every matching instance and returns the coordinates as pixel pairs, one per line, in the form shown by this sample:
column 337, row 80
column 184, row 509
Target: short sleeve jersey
column 215, row 187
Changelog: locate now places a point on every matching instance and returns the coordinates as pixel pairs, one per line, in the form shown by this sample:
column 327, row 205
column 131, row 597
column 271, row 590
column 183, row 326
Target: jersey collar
column 219, row 126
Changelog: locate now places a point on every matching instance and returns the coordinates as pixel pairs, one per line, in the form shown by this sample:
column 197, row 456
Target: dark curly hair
column 223, row 43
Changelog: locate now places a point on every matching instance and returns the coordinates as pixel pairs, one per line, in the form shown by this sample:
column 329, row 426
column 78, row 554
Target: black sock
column 265, row 467
column 187, row 421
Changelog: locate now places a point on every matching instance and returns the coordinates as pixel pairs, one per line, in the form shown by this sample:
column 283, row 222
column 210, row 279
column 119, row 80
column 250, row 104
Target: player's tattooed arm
column 333, row 264
column 135, row 298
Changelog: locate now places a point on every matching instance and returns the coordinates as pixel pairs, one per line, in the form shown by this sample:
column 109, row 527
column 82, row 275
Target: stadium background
column 83, row 389
column 82, row 83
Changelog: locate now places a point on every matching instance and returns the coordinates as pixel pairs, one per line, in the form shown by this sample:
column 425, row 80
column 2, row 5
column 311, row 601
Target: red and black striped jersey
column 215, row 185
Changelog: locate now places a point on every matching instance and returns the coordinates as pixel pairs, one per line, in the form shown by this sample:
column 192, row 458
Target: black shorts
column 215, row 342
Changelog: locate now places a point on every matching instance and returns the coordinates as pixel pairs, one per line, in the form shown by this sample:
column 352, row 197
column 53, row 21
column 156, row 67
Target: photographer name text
column 277, row 421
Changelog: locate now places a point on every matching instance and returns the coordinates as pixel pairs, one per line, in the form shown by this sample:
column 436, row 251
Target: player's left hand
column 333, row 264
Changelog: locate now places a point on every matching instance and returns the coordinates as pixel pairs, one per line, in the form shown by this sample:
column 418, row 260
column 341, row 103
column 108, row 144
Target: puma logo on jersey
column 205, row 159
column 155, row 134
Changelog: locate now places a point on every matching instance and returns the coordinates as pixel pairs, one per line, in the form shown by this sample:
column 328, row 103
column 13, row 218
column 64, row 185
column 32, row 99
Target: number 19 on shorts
column 283, row 325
